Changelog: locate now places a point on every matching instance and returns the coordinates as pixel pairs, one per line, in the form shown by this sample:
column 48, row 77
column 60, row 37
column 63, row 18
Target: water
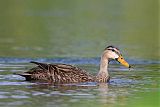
column 139, row 86
column 76, row 32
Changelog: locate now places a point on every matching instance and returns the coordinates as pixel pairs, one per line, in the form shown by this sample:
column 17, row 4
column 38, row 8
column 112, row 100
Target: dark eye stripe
column 114, row 51
column 111, row 50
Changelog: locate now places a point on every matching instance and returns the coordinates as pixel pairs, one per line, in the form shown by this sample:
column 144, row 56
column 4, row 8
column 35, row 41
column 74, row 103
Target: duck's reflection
column 62, row 87
column 103, row 93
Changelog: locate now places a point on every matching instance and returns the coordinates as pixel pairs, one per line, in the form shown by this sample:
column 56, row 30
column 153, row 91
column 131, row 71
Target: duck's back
column 57, row 73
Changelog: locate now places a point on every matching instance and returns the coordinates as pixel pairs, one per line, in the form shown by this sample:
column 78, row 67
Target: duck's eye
column 113, row 50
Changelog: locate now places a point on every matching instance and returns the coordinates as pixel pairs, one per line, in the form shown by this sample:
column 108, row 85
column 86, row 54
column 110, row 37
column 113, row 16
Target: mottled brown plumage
column 57, row 73
column 62, row 73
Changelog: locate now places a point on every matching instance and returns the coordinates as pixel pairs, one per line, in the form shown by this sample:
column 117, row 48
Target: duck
column 64, row 73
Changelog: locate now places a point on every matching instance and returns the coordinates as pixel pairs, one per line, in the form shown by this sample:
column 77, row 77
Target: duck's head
column 112, row 52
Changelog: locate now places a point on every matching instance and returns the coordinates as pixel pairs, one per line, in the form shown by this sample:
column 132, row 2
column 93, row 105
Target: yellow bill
column 123, row 62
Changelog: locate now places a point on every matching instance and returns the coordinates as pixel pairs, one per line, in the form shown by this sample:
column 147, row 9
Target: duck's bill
column 121, row 60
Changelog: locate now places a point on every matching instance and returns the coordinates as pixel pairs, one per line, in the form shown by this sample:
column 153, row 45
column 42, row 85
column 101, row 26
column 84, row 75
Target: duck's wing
column 59, row 73
column 69, row 73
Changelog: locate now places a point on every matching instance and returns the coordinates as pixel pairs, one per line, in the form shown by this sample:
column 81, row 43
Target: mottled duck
column 62, row 73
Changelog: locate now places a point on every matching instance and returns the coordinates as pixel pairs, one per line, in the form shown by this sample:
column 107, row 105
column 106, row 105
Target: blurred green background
column 78, row 28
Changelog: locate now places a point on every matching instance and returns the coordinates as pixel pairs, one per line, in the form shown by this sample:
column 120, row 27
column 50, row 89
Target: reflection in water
column 103, row 91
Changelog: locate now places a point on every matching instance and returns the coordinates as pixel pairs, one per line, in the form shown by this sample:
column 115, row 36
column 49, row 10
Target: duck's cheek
column 115, row 56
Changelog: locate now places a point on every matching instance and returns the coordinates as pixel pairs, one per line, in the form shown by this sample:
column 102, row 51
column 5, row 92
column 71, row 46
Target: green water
column 76, row 32
column 135, row 88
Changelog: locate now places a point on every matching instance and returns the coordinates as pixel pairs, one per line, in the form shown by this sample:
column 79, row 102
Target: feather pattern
column 57, row 73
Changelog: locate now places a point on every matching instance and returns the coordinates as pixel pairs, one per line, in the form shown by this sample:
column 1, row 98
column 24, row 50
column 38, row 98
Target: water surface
column 138, row 86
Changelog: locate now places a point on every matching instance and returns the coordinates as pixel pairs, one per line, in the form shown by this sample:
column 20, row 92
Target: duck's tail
column 22, row 74
column 26, row 75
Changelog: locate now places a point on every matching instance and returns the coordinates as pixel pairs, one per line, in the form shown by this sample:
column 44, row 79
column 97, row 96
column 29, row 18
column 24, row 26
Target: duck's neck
column 104, row 65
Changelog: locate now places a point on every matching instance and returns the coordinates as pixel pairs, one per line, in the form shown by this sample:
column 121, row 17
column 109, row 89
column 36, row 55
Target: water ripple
column 71, row 60
column 8, row 83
